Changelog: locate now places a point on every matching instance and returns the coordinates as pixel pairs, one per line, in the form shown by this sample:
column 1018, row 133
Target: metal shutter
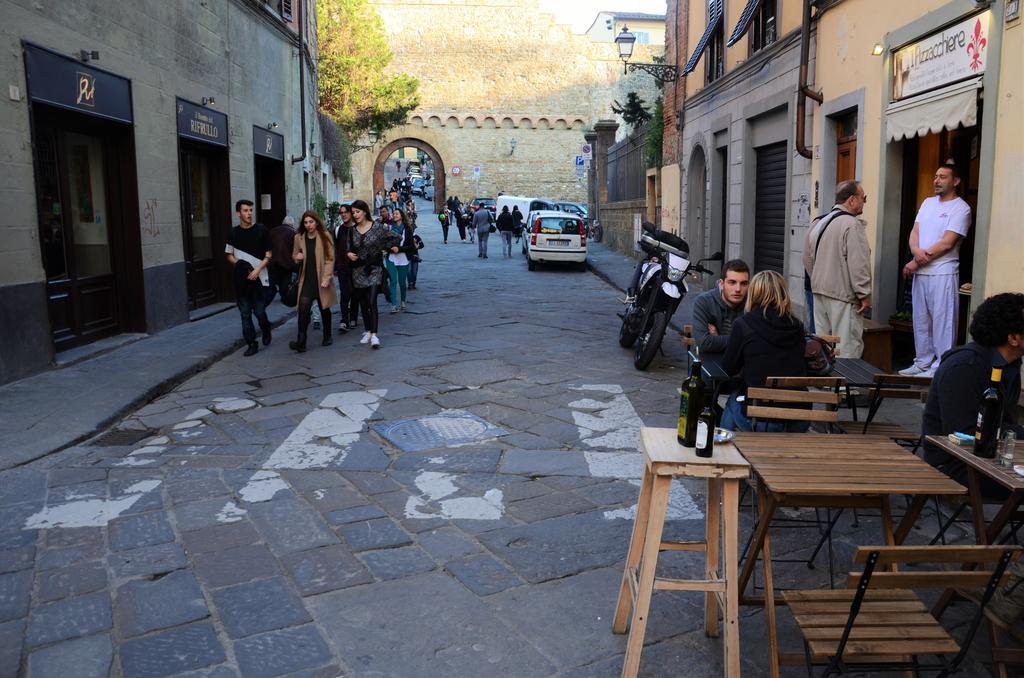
column 285, row 7
column 770, row 209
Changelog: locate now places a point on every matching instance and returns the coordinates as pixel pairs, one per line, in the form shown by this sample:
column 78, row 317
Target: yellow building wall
column 655, row 28
column 1005, row 269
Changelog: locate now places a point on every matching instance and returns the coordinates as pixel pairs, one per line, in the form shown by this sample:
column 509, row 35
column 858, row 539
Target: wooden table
column 858, row 373
column 829, row 471
column 983, row 535
column 712, row 371
column 665, row 459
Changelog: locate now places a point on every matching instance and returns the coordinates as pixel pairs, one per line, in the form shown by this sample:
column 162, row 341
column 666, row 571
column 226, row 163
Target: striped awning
column 744, row 22
column 716, row 18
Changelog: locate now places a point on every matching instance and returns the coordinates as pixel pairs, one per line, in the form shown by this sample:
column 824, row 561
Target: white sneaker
column 930, row 372
column 374, row 342
column 365, row 339
column 913, row 371
column 394, row 309
column 403, row 306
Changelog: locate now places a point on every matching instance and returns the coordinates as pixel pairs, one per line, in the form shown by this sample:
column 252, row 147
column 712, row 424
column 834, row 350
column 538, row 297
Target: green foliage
column 655, row 135
column 354, row 88
column 319, row 205
column 337, row 149
column 333, row 214
column 634, row 113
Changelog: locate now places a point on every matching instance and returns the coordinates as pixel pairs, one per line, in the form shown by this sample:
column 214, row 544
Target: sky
column 581, row 13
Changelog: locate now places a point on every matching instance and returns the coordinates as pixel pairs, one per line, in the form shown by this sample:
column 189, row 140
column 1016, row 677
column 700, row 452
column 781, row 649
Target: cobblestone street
column 457, row 503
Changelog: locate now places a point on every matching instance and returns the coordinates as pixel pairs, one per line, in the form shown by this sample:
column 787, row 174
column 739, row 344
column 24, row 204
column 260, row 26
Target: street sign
column 579, row 162
column 476, row 172
column 456, row 170
column 588, row 152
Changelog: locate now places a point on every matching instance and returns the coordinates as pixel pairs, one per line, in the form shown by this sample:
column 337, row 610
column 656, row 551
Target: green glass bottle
column 705, row 444
column 990, row 415
column 691, row 402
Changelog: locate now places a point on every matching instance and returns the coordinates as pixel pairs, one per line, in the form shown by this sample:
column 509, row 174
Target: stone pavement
column 457, row 503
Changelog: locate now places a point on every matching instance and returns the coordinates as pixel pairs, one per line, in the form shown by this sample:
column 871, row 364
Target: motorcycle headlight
column 675, row 274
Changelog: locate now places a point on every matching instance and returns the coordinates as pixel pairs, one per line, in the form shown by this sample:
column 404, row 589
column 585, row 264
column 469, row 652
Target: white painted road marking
column 615, row 424
column 89, row 512
column 437, row 488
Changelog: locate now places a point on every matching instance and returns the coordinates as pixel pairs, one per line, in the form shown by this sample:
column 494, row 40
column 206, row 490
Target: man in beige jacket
column 838, row 258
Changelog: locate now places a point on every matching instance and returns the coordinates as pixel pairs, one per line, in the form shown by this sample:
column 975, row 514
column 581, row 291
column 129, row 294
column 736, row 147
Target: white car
column 551, row 236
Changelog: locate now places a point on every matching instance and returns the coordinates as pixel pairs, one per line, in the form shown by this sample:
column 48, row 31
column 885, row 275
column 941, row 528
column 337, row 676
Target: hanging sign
column 955, row 53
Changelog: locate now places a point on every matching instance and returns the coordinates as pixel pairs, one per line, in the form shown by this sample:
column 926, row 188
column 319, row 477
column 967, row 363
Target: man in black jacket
column 964, row 373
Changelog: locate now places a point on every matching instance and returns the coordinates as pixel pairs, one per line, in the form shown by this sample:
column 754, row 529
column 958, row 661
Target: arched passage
column 405, row 142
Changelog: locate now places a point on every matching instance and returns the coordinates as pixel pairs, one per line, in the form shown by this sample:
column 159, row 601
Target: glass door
column 75, row 236
column 196, row 219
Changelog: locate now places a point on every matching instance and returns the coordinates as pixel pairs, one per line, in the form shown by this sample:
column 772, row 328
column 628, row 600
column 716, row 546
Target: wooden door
column 197, row 227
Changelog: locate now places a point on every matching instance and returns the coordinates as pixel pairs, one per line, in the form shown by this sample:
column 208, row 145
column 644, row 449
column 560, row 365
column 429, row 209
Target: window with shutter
column 285, row 8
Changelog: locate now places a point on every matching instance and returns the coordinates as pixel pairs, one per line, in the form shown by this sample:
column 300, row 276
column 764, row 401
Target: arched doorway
column 696, row 202
column 406, row 142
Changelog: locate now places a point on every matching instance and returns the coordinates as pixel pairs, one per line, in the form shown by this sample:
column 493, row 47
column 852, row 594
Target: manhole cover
column 120, row 437
column 447, row 429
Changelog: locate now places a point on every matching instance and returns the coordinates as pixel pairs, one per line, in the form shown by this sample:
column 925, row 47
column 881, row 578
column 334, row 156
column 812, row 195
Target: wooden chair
column 891, row 386
column 879, row 624
column 832, row 340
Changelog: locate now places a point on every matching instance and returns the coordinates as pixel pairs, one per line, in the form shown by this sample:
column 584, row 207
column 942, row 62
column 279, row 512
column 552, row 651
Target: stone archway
column 405, row 142
column 696, row 201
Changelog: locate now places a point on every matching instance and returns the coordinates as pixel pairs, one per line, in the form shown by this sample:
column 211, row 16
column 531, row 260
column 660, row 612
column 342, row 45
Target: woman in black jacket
column 766, row 341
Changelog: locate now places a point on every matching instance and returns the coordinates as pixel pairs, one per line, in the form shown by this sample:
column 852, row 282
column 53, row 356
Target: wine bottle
column 705, row 443
column 990, row 413
column 691, row 402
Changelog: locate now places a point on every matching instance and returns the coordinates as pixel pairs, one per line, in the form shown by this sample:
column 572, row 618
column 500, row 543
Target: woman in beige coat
column 313, row 250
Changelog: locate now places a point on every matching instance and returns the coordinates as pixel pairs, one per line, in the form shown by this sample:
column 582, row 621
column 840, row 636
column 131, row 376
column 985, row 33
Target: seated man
column 964, row 373
column 715, row 310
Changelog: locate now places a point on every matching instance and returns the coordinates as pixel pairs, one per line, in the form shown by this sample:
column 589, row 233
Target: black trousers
column 366, row 298
column 305, row 311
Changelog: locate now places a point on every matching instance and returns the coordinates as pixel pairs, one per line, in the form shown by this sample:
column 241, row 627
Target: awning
column 713, row 21
column 744, row 22
column 934, row 111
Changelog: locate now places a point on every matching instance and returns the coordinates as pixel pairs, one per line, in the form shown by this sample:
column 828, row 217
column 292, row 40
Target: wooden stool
column 664, row 459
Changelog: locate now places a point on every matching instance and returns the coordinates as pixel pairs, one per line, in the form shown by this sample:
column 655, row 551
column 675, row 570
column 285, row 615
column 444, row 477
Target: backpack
column 819, row 356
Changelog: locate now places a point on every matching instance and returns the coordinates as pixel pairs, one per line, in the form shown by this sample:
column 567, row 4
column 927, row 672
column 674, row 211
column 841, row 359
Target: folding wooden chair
column 891, row 386
column 880, row 624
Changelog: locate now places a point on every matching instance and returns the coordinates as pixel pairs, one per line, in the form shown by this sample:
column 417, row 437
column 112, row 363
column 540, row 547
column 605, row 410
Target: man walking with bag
column 838, row 258
column 249, row 251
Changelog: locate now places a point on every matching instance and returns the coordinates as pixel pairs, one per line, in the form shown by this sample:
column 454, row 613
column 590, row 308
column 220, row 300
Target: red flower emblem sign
column 975, row 46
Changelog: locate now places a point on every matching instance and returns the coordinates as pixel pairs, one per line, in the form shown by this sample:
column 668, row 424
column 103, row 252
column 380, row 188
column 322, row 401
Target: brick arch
column 405, row 142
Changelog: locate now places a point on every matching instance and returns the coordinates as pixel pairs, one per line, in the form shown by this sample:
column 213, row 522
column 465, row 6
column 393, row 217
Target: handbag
column 290, row 292
column 819, row 356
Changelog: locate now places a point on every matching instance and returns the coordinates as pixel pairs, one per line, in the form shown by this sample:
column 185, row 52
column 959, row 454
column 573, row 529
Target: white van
column 525, row 205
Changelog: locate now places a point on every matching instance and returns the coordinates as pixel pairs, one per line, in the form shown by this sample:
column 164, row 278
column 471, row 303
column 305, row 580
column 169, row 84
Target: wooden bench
column 880, row 624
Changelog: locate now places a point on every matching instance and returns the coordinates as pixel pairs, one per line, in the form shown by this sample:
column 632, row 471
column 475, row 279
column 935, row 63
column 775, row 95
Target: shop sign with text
column 955, row 53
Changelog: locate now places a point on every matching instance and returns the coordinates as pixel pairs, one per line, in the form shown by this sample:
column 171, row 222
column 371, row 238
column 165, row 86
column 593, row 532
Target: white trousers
column 833, row 317
column 936, row 309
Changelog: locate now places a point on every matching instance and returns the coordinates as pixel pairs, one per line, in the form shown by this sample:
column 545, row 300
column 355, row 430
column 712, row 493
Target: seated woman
column 766, row 341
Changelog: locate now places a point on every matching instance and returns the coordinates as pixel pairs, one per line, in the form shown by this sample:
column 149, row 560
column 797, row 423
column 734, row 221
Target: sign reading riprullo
column 202, row 124
column 955, row 53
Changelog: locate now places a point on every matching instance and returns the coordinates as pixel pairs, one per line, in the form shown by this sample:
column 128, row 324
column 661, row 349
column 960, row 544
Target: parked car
column 418, row 186
column 485, row 202
column 553, row 236
column 574, row 208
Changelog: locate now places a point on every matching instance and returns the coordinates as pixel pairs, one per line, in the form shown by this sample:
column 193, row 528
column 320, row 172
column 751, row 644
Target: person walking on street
column 442, row 217
column 414, row 265
column 483, row 221
column 941, row 223
column 281, row 265
column 343, row 271
column 313, row 250
column 517, row 222
column 398, row 260
column 249, row 251
column 838, row 257
column 505, row 227
column 369, row 239
column 463, row 219
column 378, row 200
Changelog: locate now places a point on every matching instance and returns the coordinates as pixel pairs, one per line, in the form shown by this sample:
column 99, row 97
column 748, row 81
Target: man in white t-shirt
column 940, row 225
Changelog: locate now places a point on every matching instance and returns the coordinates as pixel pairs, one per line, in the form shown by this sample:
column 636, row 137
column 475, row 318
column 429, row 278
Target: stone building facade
column 129, row 131
column 504, row 88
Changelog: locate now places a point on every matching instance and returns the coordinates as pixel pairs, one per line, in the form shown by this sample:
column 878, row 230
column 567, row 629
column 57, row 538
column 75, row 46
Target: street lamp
column 662, row 72
column 372, row 135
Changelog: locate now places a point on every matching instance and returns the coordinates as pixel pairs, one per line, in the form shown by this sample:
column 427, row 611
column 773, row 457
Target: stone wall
column 494, row 71
column 618, row 219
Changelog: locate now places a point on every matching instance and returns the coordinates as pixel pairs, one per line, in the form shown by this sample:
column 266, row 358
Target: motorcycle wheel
column 598, row 233
column 650, row 342
column 627, row 334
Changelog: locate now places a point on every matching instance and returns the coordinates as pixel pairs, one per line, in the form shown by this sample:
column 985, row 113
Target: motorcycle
column 662, row 287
